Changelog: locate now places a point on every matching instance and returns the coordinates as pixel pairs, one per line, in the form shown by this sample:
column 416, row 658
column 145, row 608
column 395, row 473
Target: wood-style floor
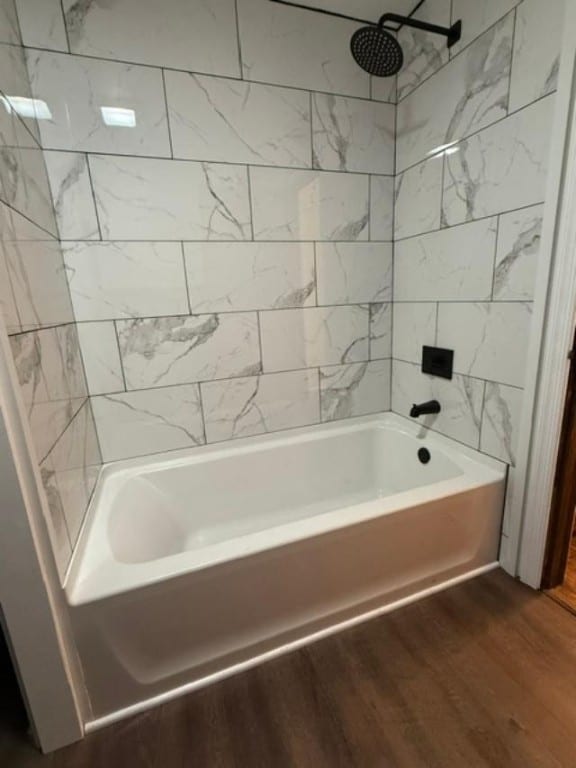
column 565, row 594
column 481, row 675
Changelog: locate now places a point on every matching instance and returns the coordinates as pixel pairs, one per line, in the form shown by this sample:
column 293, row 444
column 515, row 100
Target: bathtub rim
column 120, row 578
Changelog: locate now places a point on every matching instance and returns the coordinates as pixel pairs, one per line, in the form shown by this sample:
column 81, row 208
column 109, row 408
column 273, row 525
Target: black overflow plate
column 437, row 361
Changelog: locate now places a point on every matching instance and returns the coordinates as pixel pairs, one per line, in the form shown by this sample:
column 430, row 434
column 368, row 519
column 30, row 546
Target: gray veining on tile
column 501, row 421
column 72, row 195
column 42, row 24
column 519, row 240
column 180, row 350
column 355, row 390
column 260, row 404
column 354, row 273
column 380, row 331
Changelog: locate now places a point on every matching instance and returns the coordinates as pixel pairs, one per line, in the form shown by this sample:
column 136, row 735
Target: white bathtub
column 196, row 564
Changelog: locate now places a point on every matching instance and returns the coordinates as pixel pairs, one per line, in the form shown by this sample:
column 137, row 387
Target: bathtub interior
column 190, row 506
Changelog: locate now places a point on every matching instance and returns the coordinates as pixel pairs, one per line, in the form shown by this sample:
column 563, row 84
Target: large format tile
column 469, row 93
column 380, row 331
column 477, row 17
column 424, row 53
column 501, row 421
column 309, row 205
column 9, row 31
column 117, row 280
column 354, row 273
column 213, row 118
column 418, row 195
column 289, row 46
column 460, row 399
column 354, row 390
column 353, row 134
column 18, row 127
column 7, row 300
column 225, row 277
column 75, row 461
column 537, row 43
column 454, row 264
column 519, row 236
column 151, row 421
column 143, row 199
column 303, row 338
column 382, row 208
column 24, row 186
column 87, row 98
column 39, row 283
column 101, row 356
column 490, row 340
column 259, row 404
column 51, row 377
column 180, row 350
column 42, row 24
column 414, row 326
column 72, row 195
column 199, row 36
column 501, row 168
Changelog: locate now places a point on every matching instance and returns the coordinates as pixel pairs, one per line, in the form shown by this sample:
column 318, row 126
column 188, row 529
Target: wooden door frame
column 564, row 495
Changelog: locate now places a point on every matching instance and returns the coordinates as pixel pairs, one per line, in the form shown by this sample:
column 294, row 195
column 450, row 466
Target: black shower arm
column 452, row 33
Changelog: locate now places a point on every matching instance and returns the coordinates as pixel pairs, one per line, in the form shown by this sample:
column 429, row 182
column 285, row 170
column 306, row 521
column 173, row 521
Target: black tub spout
column 432, row 406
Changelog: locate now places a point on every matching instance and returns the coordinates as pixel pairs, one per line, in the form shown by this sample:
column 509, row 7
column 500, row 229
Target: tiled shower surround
column 228, row 189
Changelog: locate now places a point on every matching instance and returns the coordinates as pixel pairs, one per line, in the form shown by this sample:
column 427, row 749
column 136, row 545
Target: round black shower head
column 377, row 51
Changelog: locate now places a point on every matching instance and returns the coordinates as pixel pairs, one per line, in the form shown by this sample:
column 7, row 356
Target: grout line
column 250, row 202
column 65, row 25
column 512, row 52
column 496, row 243
column 168, row 127
column 464, row 375
column 483, row 406
column 202, row 413
column 186, row 278
column 259, row 326
column 117, row 335
column 238, row 40
column 87, row 157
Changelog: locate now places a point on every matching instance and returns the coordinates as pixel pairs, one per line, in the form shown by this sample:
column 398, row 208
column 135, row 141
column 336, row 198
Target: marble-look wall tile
column 380, row 331
column 309, row 205
column 355, row 390
column 382, row 208
column 289, row 46
column 519, row 235
column 213, row 118
column 537, row 43
column 72, row 195
column 414, row 326
column 197, row 37
column 56, row 522
column 461, row 399
column 180, row 350
column 354, row 273
column 418, row 194
column 15, row 227
column 22, row 131
column 7, row 300
column 384, row 89
column 118, row 280
column 454, row 264
column 51, row 378
column 469, row 93
column 24, row 186
column 9, row 31
column 489, row 340
column 231, row 277
column 424, row 53
column 150, row 421
column 42, row 24
column 75, row 461
column 304, row 338
column 101, row 356
column 353, row 134
column 260, row 404
column 501, row 168
column 84, row 97
column 477, row 17
column 39, row 283
column 145, row 199
column 501, row 421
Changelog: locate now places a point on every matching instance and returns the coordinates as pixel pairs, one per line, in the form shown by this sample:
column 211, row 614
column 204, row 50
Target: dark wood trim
column 564, row 496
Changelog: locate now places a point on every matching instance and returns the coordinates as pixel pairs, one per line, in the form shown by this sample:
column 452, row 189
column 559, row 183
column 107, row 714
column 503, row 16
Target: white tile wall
column 354, row 273
column 354, row 390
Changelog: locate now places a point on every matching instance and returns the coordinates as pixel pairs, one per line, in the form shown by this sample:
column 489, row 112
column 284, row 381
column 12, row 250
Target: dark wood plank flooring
column 481, row 675
column 565, row 594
